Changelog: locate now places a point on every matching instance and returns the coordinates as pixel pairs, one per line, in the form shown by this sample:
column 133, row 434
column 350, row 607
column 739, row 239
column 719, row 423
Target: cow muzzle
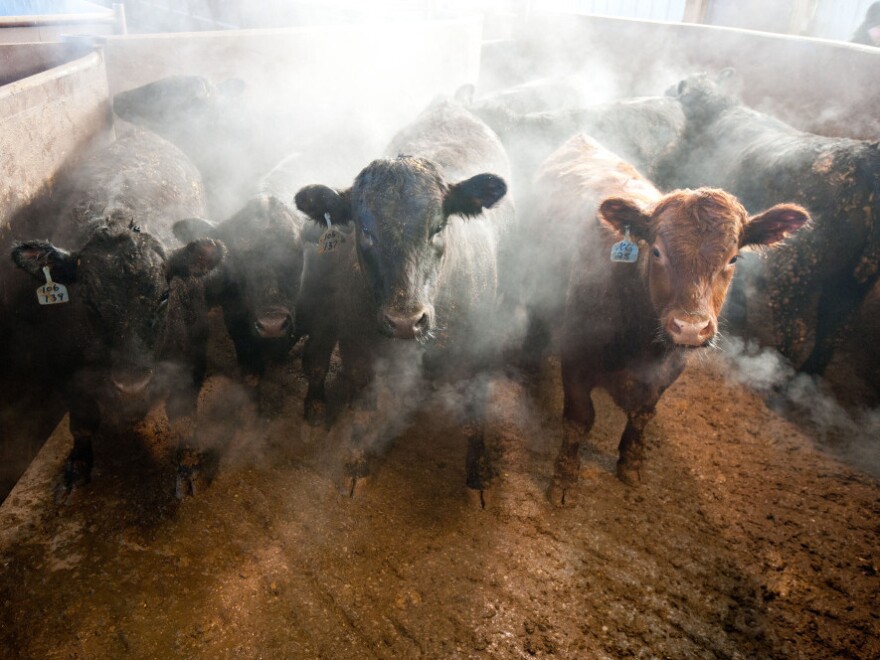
column 132, row 380
column 405, row 325
column 690, row 330
column 274, row 322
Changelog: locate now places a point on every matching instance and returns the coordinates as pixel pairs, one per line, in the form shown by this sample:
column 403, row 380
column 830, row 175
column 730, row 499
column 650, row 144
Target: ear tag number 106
column 625, row 251
column 51, row 293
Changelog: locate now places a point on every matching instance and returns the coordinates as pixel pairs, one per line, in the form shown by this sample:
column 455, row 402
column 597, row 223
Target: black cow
column 417, row 274
column 817, row 280
column 642, row 130
column 230, row 139
column 258, row 284
column 134, row 326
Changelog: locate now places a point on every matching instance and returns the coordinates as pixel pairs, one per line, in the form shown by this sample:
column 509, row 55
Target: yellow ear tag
column 51, row 293
column 625, row 251
column 331, row 238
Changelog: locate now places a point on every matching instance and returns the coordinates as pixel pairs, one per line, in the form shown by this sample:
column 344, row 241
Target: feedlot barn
column 753, row 533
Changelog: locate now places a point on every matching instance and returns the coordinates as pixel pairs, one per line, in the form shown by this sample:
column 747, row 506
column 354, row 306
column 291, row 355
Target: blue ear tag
column 331, row 238
column 625, row 251
column 51, row 293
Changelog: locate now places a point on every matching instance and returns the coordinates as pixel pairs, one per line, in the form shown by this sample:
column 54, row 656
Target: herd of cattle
column 481, row 209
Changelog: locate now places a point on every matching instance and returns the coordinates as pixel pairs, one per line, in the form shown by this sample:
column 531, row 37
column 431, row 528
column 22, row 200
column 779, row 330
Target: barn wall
column 390, row 70
column 823, row 86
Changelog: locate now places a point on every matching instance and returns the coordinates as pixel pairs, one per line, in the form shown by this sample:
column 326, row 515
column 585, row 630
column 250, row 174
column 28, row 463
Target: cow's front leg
column 85, row 419
column 478, row 464
column 359, row 451
column 181, row 409
column 578, row 416
column 631, row 449
column 316, row 363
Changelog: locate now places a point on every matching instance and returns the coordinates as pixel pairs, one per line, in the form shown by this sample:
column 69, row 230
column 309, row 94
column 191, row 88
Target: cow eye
column 733, row 260
column 656, row 252
column 164, row 299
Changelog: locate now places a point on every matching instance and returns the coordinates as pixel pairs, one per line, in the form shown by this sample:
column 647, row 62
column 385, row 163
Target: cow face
column 400, row 209
column 263, row 268
column 690, row 243
column 122, row 276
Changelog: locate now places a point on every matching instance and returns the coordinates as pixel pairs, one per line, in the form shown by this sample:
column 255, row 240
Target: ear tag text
column 625, row 251
column 331, row 238
column 51, row 293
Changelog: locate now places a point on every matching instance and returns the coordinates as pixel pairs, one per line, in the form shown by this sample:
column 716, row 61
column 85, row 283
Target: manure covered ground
column 743, row 541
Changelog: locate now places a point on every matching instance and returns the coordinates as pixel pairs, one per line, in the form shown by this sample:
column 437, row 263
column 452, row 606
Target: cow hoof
column 251, row 380
column 629, row 474
column 480, row 498
column 560, row 496
column 188, row 483
column 315, row 412
column 352, row 487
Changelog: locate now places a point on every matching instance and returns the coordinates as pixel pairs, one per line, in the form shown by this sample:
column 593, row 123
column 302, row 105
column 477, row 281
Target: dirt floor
column 744, row 541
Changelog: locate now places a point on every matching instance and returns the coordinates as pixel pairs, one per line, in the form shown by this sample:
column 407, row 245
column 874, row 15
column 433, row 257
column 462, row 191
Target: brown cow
column 628, row 326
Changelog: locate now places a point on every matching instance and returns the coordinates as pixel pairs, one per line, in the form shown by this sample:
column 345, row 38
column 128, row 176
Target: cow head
column 704, row 96
column 123, row 277
column 176, row 106
column 690, row 243
column 263, row 268
column 401, row 208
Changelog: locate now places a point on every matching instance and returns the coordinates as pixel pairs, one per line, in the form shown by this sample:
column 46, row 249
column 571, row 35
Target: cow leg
column 181, row 409
column 85, row 418
column 631, row 449
column 535, row 344
column 360, row 452
column 837, row 304
column 316, row 364
column 247, row 352
column 478, row 463
column 578, row 415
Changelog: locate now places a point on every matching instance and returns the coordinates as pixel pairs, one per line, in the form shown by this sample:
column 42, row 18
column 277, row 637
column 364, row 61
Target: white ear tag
column 625, row 251
column 51, row 293
column 331, row 238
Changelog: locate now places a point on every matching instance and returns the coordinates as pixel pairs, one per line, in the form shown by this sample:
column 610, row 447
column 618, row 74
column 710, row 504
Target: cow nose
column 406, row 326
column 131, row 380
column 274, row 323
column 690, row 333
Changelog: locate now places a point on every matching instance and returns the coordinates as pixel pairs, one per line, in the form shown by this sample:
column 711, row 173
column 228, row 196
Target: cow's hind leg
column 837, row 306
column 578, row 416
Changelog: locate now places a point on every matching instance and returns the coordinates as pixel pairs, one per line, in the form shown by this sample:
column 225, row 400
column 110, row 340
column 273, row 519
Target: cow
column 258, row 284
column 229, row 138
column 802, row 299
column 129, row 324
column 643, row 130
column 417, row 278
column 628, row 322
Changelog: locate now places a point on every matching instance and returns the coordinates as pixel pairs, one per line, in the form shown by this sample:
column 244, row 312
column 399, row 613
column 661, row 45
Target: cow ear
column 621, row 214
column 196, row 259
column 192, row 229
column 471, row 196
column 317, row 200
column 32, row 256
column 774, row 224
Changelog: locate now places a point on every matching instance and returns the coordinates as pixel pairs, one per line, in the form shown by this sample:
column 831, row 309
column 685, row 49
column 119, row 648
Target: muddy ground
column 745, row 540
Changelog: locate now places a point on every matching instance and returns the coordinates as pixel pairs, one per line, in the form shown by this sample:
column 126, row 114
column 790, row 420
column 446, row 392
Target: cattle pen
column 753, row 534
